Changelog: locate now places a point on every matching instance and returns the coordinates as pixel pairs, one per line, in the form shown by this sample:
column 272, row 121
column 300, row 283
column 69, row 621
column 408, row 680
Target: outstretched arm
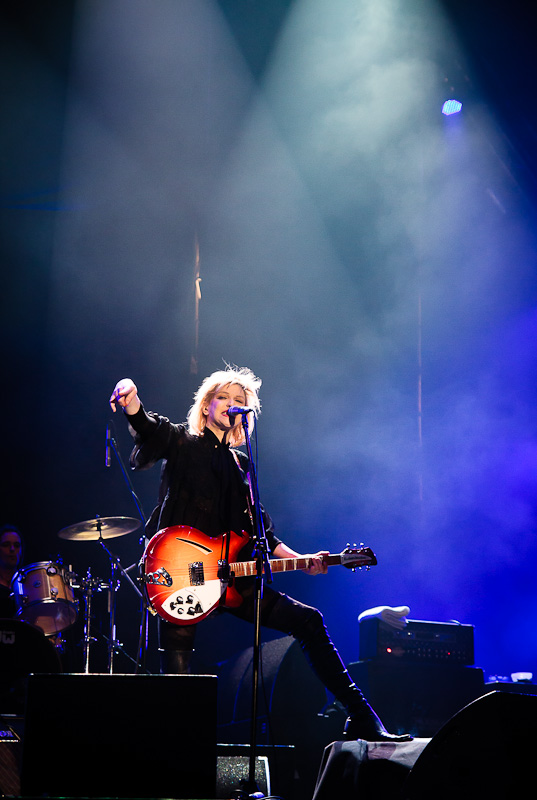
column 125, row 394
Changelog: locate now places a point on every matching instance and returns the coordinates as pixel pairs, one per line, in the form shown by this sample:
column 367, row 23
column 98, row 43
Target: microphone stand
column 262, row 566
column 142, row 643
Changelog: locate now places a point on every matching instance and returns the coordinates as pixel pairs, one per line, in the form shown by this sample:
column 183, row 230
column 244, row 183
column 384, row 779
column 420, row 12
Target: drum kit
column 44, row 591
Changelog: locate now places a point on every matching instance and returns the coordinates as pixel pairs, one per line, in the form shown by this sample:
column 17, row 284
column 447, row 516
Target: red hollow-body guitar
column 186, row 576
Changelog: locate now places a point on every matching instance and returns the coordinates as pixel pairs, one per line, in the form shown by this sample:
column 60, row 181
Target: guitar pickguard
column 193, row 602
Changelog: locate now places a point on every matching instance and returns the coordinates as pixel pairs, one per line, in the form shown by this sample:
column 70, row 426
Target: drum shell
column 44, row 597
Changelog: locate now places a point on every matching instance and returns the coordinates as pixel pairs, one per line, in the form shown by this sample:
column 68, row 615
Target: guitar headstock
column 355, row 557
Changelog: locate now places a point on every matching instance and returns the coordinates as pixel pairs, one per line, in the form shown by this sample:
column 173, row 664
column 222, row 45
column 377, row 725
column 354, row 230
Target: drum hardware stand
column 88, row 584
column 99, row 529
column 250, row 788
column 144, row 612
column 114, row 645
column 118, row 648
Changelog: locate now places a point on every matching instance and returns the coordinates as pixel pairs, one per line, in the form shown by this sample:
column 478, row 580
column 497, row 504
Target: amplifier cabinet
column 418, row 641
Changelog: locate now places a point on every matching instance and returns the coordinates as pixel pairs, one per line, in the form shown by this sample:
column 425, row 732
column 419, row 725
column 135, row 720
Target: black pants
column 281, row 613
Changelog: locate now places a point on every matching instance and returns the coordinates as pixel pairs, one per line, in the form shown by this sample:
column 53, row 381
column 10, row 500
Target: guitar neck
column 243, row 568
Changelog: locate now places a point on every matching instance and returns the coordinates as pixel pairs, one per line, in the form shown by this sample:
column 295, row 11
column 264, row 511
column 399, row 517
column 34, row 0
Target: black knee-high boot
column 362, row 722
column 175, row 662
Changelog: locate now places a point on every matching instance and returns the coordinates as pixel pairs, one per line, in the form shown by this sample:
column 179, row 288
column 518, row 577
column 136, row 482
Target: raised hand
column 125, row 394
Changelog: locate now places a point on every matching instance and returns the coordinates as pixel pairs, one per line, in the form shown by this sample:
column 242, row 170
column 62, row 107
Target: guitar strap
column 249, row 507
column 249, row 496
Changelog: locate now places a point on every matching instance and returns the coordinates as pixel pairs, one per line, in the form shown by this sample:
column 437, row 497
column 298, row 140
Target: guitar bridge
column 195, row 571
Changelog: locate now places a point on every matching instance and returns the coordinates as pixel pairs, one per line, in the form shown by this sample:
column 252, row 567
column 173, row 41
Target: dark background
column 372, row 260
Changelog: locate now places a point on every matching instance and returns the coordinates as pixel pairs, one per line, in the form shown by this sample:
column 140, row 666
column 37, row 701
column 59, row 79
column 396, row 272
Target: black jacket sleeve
column 154, row 436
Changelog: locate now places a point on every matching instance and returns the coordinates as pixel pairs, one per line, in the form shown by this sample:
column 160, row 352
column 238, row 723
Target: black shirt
column 201, row 483
column 8, row 606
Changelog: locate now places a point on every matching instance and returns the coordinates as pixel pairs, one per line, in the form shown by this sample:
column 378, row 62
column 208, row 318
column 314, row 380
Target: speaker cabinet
column 275, row 769
column 232, row 773
column 23, row 649
column 129, row 736
column 10, row 747
column 292, row 695
column 417, row 698
column 485, row 750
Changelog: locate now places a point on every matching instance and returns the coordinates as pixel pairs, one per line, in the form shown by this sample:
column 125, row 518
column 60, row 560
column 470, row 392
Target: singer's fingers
column 124, row 391
column 321, row 567
column 121, row 399
column 123, row 395
column 316, row 564
column 130, row 395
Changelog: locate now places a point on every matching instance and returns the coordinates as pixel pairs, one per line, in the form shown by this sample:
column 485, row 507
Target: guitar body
column 181, row 569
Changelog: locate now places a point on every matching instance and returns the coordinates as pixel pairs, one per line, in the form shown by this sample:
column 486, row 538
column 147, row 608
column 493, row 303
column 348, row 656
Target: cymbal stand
column 87, row 586
column 115, row 568
column 112, row 641
column 144, row 611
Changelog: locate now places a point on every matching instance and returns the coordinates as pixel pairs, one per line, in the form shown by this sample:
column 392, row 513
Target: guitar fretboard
column 244, row 568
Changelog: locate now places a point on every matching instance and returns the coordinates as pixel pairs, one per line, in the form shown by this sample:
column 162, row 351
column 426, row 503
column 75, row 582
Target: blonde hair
column 243, row 377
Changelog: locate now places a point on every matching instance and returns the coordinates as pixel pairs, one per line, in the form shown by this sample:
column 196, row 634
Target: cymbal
column 100, row 528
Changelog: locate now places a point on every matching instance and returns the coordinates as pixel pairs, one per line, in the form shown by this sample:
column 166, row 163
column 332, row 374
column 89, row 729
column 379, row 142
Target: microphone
column 239, row 410
column 108, row 454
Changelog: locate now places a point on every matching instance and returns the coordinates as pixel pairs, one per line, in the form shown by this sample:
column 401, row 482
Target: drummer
column 10, row 560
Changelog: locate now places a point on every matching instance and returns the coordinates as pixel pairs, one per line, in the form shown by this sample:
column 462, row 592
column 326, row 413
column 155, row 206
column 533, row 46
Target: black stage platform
column 485, row 750
column 152, row 736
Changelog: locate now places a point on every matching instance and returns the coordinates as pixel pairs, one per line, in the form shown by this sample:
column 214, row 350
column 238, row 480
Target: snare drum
column 44, row 596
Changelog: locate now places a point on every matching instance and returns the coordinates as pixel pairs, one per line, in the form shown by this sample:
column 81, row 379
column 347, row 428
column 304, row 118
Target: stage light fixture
column 451, row 107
